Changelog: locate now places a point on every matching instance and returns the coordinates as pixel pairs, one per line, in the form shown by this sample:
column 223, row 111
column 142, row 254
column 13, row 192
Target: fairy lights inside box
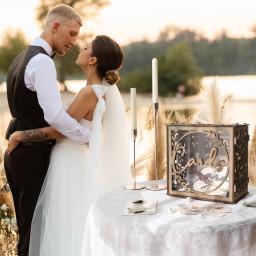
column 208, row 162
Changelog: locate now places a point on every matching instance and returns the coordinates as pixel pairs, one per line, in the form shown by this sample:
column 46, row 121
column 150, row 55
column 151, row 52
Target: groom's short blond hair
column 62, row 13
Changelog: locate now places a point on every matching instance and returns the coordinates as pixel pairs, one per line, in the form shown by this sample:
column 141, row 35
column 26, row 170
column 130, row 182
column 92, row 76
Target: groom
column 34, row 101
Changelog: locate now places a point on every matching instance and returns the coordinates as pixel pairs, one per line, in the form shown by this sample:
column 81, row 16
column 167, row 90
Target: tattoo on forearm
column 34, row 135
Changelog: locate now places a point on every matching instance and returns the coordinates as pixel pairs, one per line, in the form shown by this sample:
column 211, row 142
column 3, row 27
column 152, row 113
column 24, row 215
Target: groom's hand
column 14, row 141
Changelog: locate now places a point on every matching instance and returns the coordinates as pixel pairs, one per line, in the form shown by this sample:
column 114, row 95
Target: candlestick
column 154, row 80
column 155, row 185
column 134, row 186
column 133, row 109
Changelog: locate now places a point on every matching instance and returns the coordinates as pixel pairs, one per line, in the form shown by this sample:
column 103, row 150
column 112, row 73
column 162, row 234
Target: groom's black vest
column 23, row 103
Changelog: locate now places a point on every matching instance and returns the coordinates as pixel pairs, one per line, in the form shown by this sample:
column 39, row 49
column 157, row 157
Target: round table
column 109, row 233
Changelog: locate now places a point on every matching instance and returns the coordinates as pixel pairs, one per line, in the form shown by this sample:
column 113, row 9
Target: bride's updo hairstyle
column 109, row 58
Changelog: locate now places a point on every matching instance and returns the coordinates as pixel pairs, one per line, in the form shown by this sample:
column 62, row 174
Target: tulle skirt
column 61, row 211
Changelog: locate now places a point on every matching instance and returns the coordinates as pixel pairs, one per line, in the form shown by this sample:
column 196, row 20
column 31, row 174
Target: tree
column 139, row 79
column 178, row 67
column 13, row 43
column 86, row 8
column 169, row 32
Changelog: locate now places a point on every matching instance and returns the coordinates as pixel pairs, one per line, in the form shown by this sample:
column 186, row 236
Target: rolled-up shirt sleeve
column 40, row 76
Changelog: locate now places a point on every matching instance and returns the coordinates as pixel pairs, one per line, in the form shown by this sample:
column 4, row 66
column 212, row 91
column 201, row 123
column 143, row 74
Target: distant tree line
column 222, row 56
column 184, row 56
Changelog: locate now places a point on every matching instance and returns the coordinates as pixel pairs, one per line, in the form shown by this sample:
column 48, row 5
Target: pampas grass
column 145, row 163
column 179, row 117
column 252, row 159
column 161, row 147
column 215, row 108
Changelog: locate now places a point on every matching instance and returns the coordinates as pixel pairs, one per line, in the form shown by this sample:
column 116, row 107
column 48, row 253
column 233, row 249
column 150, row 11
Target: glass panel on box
column 200, row 161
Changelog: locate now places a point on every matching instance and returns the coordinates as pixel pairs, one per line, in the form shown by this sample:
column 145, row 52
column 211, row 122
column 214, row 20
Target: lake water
column 242, row 89
column 242, row 110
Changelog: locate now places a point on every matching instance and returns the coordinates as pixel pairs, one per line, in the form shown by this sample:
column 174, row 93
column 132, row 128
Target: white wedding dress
column 79, row 174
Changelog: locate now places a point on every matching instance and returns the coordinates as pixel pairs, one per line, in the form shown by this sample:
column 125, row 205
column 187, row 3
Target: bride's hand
column 14, row 141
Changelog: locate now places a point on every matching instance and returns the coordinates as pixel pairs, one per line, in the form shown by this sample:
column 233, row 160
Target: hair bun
column 112, row 76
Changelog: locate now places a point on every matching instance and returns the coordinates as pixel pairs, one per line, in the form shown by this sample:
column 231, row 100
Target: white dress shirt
column 41, row 77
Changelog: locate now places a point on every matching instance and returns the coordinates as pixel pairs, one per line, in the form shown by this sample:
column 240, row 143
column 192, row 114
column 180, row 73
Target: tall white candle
column 154, row 81
column 133, row 109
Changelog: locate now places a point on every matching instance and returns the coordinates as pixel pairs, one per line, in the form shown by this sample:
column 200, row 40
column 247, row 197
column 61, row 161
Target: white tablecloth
column 108, row 233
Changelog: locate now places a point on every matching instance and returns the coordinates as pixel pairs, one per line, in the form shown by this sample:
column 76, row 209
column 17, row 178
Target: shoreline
column 143, row 100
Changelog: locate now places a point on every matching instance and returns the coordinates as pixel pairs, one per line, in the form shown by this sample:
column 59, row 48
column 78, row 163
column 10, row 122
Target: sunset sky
column 133, row 20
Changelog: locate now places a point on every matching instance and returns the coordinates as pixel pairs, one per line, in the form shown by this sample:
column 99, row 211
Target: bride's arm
column 84, row 102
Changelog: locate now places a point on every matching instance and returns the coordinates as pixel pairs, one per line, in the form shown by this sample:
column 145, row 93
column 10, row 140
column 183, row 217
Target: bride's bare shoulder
column 84, row 103
column 87, row 93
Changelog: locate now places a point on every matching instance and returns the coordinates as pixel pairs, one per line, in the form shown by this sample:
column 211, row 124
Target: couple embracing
column 59, row 161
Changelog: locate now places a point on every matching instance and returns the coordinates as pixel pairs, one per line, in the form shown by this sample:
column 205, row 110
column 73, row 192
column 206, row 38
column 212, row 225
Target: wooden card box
column 208, row 162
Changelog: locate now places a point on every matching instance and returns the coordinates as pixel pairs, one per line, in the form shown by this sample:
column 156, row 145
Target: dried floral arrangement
column 252, row 159
column 8, row 226
column 145, row 162
column 215, row 107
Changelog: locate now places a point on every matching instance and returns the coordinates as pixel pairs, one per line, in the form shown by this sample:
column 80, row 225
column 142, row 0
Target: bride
column 79, row 173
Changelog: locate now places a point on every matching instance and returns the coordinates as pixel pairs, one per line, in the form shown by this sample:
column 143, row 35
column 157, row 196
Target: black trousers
column 25, row 169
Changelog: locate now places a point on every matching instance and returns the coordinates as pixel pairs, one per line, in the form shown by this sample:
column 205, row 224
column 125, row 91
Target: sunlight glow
column 133, row 20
